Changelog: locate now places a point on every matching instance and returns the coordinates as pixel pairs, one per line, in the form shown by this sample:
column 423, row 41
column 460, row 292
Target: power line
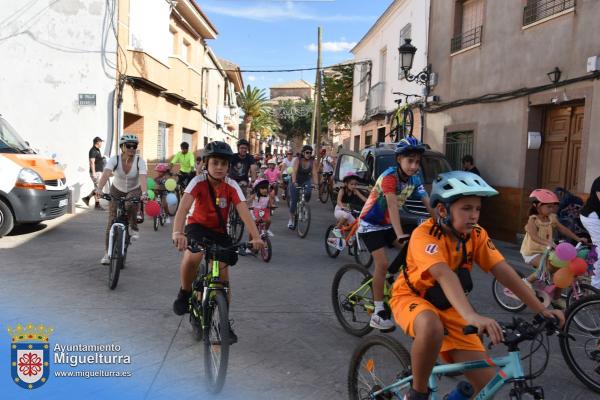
column 288, row 70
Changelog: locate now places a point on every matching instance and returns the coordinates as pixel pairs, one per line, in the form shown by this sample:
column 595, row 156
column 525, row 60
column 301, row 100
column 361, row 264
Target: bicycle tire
column 266, row 252
column 303, row 225
column 585, row 290
column 408, row 122
column 162, row 218
column 399, row 367
column 362, row 256
column 236, row 226
column 155, row 224
column 342, row 305
column 331, row 251
column 216, row 334
column 395, row 127
column 116, row 261
column 506, row 302
column 569, row 338
column 323, row 192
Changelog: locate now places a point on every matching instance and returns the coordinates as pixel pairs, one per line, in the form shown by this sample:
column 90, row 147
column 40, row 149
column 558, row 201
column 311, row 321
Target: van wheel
column 7, row 221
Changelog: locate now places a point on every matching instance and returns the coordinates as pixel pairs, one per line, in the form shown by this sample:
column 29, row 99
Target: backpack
column 137, row 163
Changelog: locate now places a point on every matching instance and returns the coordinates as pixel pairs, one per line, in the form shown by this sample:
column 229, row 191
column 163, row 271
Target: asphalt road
column 290, row 343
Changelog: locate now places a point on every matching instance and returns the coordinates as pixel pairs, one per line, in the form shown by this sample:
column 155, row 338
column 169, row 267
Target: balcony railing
column 375, row 101
column 466, row 39
column 536, row 10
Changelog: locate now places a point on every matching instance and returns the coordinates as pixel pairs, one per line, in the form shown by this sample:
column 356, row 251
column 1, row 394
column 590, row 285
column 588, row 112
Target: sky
column 282, row 34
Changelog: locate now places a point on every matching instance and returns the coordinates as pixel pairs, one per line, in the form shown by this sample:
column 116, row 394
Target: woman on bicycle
column 349, row 198
column 129, row 171
column 304, row 174
column 259, row 200
column 539, row 234
column 590, row 218
column 429, row 299
column 212, row 192
column 380, row 225
column 286, row 167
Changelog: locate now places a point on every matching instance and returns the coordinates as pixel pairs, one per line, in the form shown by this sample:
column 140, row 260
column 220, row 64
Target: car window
column 348, row 163
column 432, row 166
column 384, row 162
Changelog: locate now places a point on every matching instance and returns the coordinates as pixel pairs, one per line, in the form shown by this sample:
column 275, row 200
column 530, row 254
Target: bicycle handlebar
column 109, row 197
column 520, row 330
column 196, row 246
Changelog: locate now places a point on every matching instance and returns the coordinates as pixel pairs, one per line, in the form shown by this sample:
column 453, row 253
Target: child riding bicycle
column 212, row 192
column 349, row 198
column 429, row 299
column 539, row 234
column 163, row 173
column 259, row 200
column 380, row 219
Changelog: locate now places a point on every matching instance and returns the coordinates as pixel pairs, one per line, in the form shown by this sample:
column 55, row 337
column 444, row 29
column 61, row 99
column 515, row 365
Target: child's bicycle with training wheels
column 209, row 311
column 337, row 238
column 380, row 367
column 403, row 120
column 259, row 213
column 544, row 289
column 161, row 218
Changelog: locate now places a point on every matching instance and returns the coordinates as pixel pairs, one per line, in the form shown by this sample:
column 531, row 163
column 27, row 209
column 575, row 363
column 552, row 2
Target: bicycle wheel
column 235, row 226
column 156, row 222
column 505, row 298
column 332, row 242
column 581, row 290
column 362, row 256
column 408, row 122
column 323, row 192
column 377, row 362
column 162, row 218
column 395, row 127
column 266, row 252
column 116, row 260
column 303, row 220
column 580, row 341
column 216, row 342
column 352, row 299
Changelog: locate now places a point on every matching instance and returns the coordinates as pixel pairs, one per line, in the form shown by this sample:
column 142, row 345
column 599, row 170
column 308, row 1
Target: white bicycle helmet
column 450, row 186
column 128, row 138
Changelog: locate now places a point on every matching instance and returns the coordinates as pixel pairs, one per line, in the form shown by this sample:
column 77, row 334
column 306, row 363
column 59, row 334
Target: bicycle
column 337, row 238
column 325, row 187
column 580, row 343
column 235, row 225
column 403, row 119
column 209, row 311
column 266, row 252
column 118, row 239
column 302, row 215
column 366, row 380
column 161, row 218
column 544, row 289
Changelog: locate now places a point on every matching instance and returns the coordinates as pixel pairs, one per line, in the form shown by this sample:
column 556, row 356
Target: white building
column 57, row 78
column 381, row 75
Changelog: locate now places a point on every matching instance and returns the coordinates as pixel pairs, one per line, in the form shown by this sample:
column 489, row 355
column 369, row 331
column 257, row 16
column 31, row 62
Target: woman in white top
column 590, row 218
column 129, row 172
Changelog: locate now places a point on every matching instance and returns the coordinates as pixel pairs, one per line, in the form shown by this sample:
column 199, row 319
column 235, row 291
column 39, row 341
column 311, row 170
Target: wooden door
column 561, row 148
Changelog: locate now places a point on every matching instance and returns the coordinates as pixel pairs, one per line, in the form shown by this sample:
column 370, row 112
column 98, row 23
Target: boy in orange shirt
column 429, row 296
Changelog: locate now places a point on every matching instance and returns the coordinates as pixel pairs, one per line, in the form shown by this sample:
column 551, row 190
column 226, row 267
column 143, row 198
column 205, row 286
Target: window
column 349, row 163
column 536, row 10
column 187, row 135
column 161, row 142
column 381, row 134
column 368, row 138
column 405, row 33
column 468, row 24
column 187, row 52
column 382, row 64
column 356, row 143
column 174, row 40
column 364, row 71
column 458, row 144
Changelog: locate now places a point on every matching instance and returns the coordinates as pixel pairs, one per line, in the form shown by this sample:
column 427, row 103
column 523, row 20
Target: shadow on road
column 24, row 229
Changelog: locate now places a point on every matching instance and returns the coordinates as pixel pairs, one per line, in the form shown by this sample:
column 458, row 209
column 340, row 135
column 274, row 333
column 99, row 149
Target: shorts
column 529, row 259
column 340, row 213
column 375, row 240
column 406, row 308
column 199, row 232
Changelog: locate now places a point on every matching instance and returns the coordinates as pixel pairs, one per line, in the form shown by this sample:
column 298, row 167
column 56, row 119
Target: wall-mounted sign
column 87, row 99
column 534, row 140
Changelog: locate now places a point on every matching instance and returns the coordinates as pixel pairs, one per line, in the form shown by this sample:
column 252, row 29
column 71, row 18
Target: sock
column 414, row 395
column 378, row 306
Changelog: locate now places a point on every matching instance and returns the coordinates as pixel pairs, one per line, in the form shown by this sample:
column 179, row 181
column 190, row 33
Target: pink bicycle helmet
column 544, row 196
column 261, row 182
column 161, row 168
column 350, row 175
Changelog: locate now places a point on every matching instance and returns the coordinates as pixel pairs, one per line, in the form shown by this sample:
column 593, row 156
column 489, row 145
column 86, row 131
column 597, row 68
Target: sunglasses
column 308, row 152
column 131, row 146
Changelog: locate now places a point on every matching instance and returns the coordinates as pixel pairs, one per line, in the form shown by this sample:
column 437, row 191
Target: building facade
column 378, row 74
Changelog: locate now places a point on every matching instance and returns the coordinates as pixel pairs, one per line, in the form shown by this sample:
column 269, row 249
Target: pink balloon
column 566, row 251
column 152, row 208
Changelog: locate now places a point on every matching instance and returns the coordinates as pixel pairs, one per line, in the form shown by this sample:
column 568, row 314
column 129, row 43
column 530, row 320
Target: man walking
column 96, row 162
column 468, row 165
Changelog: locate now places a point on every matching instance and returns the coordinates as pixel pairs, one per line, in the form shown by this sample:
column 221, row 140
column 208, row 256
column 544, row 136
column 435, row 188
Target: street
column 290, row 343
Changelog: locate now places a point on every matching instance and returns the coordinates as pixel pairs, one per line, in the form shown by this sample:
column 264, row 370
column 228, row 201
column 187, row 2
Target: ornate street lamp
column 554, row 75
column 407, row 54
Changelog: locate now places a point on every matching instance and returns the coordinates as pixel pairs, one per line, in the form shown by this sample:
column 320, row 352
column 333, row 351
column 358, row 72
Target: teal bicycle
column 380, row 365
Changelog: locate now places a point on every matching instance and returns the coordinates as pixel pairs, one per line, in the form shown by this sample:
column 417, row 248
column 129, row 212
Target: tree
column 336, row 105
column 252, row 100
column 265, row 123
column 294, row 119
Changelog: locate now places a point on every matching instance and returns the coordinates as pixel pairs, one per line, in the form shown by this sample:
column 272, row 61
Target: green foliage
column 336, row 105
column 252, row 101
column 265, row 123
column 294, row 118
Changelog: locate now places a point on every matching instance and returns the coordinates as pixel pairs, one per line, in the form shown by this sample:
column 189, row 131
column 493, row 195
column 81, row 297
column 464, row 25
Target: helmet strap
column 447, row 222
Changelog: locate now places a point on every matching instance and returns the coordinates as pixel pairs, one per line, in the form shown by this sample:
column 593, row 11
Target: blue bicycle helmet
column 409, row 145
column 450, row 186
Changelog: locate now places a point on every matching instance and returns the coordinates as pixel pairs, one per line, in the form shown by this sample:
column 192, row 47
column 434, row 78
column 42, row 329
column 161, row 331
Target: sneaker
column 277, row 199
column 86, row 200
column 291, row 224
column 181, row 303
column 168, row 220
column 232, row 336
column 105, row 260
column 381, row 320
column 560, row 304
column 271, row 234
column 248, row 251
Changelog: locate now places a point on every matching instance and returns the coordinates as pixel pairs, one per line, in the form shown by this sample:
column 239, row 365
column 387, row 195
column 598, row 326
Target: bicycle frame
column 366, row 286
column 510, row 370
column 121, row 223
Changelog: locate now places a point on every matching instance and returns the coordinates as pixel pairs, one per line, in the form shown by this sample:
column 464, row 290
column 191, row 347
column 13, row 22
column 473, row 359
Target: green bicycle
column 403, row 120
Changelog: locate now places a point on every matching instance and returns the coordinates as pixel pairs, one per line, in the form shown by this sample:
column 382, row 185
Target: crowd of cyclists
column 429, row 297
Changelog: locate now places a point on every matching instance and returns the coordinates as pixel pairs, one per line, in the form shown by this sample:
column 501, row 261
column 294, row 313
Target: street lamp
column 407, row 53
column 554, row 75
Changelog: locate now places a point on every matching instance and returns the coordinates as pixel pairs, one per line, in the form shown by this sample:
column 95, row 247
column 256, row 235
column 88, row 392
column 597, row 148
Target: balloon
column 152, row 209
column 557, row 262
column 566, row 251
column 170, row 184
column 583, row 253
column 150, row 183
column 171, row 199
column 290, row 170
column 578, row 266
column 563, row 278
column 151, row 194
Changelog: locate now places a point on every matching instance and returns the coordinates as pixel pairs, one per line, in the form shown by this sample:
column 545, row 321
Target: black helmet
column 217, row 149
column 306, row 147
column 243, row 142
column 185, row 145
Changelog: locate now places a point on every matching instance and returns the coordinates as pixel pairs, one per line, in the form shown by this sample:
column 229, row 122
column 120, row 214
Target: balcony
column 537, row 10
column 466, row 39
column 376, row 100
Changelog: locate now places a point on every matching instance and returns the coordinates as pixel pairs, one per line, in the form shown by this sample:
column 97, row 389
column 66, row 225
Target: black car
column 373, row 160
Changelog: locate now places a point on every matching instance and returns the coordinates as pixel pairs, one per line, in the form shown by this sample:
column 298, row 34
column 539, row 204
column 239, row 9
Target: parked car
column 32, row 187
column 373, row 160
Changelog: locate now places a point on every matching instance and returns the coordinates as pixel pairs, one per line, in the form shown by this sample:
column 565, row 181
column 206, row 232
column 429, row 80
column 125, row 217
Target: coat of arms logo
column 30, row 355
